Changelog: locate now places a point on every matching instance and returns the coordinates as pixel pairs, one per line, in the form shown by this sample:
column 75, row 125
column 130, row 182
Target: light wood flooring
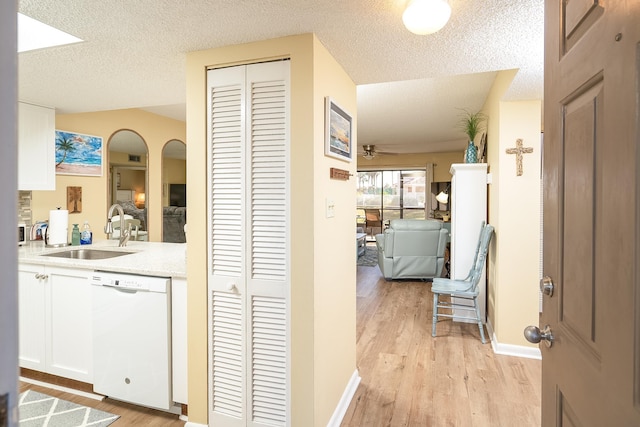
column 130, row 415
column 410, row 378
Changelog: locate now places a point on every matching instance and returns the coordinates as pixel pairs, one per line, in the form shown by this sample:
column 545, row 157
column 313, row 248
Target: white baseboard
column 190, row 424
column 511, row 349
column 345, row 400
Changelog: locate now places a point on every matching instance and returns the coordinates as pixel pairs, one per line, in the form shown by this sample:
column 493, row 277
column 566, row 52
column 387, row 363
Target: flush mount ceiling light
column 33, row 34
column 426, row 16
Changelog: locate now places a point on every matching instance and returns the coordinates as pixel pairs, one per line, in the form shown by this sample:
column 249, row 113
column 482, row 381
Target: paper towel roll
column 58, row 227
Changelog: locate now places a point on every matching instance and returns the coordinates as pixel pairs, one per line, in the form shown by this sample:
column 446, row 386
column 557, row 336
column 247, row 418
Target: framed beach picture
column 338, row 132
column 78, row 154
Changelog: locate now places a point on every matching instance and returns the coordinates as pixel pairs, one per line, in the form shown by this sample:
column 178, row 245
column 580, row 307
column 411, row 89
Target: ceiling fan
column 369, row 152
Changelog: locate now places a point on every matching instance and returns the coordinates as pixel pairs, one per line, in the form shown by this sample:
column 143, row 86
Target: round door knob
column 546, row 286
column 534, row 335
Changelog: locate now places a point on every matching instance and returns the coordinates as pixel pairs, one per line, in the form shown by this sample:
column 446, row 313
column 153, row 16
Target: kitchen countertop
column 149, row 258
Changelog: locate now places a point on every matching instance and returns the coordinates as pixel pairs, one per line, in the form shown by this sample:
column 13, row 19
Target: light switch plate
column 331, row 208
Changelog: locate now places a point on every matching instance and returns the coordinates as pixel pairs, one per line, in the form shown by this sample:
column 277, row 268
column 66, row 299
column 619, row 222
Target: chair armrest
column 380, row 242
column 384, row 242
column 442, row 242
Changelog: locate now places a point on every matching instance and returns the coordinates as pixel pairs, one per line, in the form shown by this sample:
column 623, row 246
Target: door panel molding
column 578, row 16
column 580, row 200
column 566, row 415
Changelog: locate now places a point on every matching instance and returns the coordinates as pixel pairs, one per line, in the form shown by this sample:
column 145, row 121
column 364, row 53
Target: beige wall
column 334, row 246
column 514, row 210
column 442, row 162
column 322, row 298
column 154, row 129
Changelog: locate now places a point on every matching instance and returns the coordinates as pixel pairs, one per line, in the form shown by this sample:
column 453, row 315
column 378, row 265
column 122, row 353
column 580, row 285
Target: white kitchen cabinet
column 55, row 321
column 249, row 279
column 31, row 320
column 179, row 340
column 36, row 147
column 468, row 212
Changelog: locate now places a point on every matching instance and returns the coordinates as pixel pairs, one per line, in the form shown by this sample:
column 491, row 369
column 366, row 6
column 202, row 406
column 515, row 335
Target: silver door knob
column 534, row 335
column 546, row 286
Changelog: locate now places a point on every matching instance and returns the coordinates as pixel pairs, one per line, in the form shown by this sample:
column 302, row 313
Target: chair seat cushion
column 447, row 286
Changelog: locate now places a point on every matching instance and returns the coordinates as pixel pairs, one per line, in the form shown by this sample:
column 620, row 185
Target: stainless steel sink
column 87, row 254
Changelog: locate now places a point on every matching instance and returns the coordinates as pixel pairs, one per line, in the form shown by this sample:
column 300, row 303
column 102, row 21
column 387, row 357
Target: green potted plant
column 471, row 124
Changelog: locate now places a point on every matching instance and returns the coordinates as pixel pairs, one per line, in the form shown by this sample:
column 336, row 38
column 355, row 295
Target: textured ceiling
column 410, row 88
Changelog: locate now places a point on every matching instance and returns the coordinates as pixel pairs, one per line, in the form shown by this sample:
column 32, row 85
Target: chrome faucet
column 108, row 229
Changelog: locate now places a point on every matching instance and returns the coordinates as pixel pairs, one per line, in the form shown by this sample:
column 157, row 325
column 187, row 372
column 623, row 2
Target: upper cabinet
column 36, row 147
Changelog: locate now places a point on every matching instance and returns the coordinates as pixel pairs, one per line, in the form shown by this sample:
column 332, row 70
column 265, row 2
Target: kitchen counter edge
column 148, row 258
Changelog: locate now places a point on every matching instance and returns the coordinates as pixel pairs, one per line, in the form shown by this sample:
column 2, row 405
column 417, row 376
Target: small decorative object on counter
column 87, row 235
column 75, row 235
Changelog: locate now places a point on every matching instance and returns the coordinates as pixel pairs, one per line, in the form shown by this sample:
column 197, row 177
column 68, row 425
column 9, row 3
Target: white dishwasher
column 131, row 341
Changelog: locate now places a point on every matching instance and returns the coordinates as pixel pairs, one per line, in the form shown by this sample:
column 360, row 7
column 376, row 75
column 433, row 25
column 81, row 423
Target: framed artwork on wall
column 74, row 199
column 338, row 132
column 78, row 154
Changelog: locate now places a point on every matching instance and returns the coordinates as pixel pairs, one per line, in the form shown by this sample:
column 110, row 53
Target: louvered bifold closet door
column 248, row 255
column 226, row 247
column 268, row 274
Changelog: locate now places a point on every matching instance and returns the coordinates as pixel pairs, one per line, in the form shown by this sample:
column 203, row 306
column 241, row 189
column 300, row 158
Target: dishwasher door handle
column 124, row 290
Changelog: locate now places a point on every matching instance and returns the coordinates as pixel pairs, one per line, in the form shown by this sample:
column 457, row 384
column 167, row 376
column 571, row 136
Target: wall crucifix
column 519, row 151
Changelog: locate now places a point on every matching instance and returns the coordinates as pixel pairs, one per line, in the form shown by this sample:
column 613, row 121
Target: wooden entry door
column 591, row 373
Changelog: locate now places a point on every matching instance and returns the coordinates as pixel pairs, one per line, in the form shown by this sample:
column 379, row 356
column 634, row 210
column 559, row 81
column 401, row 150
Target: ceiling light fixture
column 426, row 16
column 369, row 151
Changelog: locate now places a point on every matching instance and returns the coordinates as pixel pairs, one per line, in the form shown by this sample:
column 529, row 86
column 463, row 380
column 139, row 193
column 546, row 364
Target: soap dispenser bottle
column 87, row 236
column 75, row 235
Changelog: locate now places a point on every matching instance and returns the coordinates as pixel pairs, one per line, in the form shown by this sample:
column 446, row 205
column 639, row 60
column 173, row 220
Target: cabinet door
column 31, row 308
column 248, row 228
column 68, row 326
column 36, row 147
column 179, row 340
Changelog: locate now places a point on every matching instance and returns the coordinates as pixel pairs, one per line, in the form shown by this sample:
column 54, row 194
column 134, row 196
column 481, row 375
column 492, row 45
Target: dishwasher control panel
column 130, row 281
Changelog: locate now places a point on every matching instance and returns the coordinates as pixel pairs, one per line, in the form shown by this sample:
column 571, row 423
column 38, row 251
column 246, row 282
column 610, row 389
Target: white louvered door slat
column 227, row 333
column 227, row 343
column 267, row 283
column 248, row 245
column 268, row 179
column 269, row 349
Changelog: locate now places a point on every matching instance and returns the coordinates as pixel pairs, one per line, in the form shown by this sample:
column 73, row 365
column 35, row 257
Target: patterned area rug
column 39, row 410
column 369, row 258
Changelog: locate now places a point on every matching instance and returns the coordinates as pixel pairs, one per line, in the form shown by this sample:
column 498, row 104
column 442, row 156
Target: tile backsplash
column 24, row 207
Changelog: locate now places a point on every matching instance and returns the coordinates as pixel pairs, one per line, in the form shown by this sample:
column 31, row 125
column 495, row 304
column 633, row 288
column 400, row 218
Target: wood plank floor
column 410, row 378
column 130, row 415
